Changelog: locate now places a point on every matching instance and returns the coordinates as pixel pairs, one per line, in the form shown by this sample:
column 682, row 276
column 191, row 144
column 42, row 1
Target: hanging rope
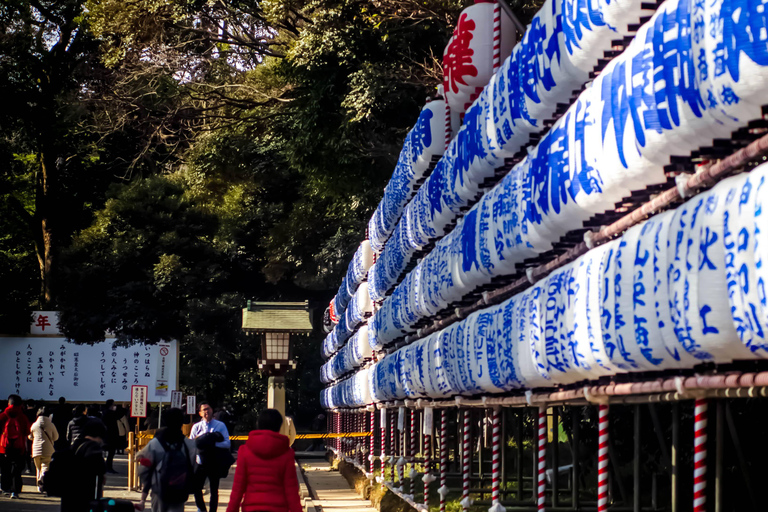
column 541, row 481
column 466, row 454
column 602, row 459
column 443, row 490
column 700, row 455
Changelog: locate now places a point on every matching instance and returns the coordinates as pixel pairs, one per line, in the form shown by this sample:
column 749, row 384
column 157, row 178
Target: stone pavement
column 116, row 487
column 330, row 490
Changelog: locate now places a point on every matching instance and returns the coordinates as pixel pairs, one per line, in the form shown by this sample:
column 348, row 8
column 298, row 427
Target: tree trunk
column 45, row 209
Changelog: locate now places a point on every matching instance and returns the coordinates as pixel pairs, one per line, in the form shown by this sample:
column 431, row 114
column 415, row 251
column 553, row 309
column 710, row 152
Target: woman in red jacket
column 265, row 475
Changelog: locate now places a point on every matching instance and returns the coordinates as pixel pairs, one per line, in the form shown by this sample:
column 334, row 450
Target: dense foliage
column 163, row 161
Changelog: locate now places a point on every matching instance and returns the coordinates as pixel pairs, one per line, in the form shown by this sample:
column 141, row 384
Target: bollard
column 131, row 457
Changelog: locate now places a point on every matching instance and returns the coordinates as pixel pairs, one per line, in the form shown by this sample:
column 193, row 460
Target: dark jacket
column 75, row 428
column 61, row 417
column 88, row 476
column 265, row 475
column 14, row 429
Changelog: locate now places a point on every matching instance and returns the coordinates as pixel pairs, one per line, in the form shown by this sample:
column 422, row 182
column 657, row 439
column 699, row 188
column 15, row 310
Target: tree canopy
column 166, row 160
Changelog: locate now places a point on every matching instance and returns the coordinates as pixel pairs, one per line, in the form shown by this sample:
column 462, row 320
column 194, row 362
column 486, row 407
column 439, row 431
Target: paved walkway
column 330, row 490
column 116, row 487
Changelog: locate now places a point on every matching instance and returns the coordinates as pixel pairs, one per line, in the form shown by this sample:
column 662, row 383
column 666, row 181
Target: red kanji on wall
column 457, row 61
column 42, row 322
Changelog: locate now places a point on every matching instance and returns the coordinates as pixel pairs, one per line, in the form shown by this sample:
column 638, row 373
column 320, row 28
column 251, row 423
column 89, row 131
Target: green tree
column 45, row 51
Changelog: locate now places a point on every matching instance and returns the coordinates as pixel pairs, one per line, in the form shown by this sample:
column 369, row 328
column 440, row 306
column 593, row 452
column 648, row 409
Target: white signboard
column 139, row 401
column 191, row 403
column 161, row 382
column 45, row 323
column 45, row 368
column 176, row 399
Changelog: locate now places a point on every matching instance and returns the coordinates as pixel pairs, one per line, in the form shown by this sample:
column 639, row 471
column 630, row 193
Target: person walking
column 265, row 475
column 14, row 431
column 61, row 417
column 43, row 435
column 209, row 434
column 123, row 429
column 87, row 472
column 77, row 424
column 109, row 416
column 167, row 466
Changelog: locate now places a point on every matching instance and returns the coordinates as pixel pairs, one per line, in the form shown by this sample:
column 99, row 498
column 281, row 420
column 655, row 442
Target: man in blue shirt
column 210, row 434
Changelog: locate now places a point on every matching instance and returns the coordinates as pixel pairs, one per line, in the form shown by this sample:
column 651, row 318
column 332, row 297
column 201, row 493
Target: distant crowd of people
column 73, row 448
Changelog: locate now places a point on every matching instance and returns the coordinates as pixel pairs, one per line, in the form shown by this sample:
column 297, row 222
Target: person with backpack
column 43, row 435
column 14, row 431
column 167, row 466
column 80, row 470
column 265, row 475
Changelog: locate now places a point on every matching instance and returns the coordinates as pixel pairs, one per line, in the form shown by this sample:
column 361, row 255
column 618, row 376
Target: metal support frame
column 559, row 494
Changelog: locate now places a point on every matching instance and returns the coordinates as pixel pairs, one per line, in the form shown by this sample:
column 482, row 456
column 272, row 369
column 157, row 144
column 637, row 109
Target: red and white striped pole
column 426, row 430
column 401, row 460
column 467, row 461
column 700, row 455
column 541, row 481
column 602, row 458
column 448, row 131
column 496, row 37
column 496, row 466
column 392, row 444
column 412, row 454
column 371, row 447
column 443, row 490
column 382, row 443
column 336, row 430
column 361, row 417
